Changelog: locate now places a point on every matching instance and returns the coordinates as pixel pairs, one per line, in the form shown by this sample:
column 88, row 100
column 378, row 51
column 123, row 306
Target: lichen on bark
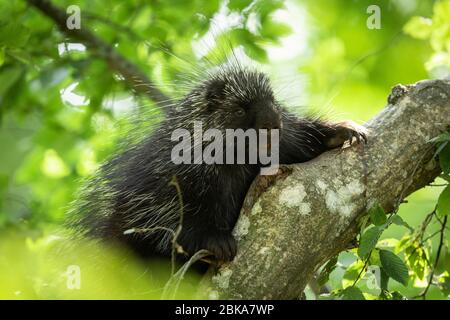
column 295, row 221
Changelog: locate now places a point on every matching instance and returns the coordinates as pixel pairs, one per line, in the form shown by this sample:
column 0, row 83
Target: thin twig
column 175, row 246
column 134, row 77
column 438, row 254
column 175, row 281
column 366, row 263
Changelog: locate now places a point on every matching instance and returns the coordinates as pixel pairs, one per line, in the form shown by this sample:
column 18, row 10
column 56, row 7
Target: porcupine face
column 239, row 98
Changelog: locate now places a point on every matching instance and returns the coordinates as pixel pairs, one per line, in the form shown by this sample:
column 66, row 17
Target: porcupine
column 132, row 190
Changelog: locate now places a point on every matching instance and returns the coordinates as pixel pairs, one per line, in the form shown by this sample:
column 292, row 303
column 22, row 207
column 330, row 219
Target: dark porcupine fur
column 132, row 191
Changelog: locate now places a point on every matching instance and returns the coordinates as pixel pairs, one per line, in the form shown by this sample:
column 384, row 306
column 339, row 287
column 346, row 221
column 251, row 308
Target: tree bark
column 294, row 222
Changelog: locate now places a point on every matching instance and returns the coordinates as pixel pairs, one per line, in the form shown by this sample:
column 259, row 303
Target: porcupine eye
column 239, row 112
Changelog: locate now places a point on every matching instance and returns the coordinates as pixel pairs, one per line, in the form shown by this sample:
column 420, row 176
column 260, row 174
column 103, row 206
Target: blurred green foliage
column 51, row 268
column 62, row 112
column 436, row 30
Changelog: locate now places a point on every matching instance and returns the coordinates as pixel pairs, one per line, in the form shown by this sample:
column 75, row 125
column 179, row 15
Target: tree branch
column 135, row 78
column 294, row 222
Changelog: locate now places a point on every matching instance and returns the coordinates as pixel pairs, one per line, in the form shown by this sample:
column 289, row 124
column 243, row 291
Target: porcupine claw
column 345, row 132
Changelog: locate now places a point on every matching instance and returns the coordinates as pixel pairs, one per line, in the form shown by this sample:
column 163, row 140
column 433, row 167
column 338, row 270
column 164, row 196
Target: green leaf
column 239, row 4
column 8, row 77
column 418, row 27
column 416, row 259
column 274, row 30
column 441, row 138
column 404, row 243
column 444, row 158
column 377, row 215
column 325, row 273
column 375, row 257
column 443, row 204
column 396, row 219
column 20, row 55
column 444, row 284
column 368, row 241
column 265, row 8
column 387, row 243
column 397, row 295
column 384, row 280
column 394, row 266
column 352, row 293
column 14, row 34
column 352, row 273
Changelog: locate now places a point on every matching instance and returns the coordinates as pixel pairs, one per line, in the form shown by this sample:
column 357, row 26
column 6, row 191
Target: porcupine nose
column 269, row 120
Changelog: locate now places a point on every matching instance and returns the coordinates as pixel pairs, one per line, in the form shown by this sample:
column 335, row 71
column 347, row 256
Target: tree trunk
column 294, row 222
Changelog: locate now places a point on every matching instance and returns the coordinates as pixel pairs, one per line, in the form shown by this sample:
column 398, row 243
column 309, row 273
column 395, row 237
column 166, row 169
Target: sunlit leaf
column 53, row 166
column 419, row 27
column 417, row 258
column 352, row 273
column 394, row 266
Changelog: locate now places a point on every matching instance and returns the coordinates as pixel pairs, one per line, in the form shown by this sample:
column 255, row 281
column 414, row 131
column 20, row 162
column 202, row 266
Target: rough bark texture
column 294, row 222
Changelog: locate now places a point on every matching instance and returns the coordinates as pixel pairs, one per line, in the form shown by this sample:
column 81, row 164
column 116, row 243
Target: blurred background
column 63, row 108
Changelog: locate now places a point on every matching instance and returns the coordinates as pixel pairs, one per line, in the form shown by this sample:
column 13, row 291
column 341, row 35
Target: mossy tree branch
column 294, row 222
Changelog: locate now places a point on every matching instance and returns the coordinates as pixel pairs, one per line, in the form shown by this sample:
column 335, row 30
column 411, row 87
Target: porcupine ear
column 215, row 93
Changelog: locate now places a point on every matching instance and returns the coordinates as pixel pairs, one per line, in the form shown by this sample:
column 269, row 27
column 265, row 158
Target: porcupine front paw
column 347, row 131
column 222, row 245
